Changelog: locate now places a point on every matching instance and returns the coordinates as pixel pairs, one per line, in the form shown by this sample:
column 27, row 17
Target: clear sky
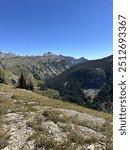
column 68, row 27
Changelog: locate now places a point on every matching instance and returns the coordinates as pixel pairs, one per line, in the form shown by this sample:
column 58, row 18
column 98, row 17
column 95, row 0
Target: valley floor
column 29, row 121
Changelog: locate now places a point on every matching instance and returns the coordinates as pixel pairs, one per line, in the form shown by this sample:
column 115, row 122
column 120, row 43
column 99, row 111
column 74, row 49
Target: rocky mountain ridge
column 36, row 67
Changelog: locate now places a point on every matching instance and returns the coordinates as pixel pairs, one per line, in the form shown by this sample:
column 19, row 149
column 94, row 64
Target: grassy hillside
column 31, row 121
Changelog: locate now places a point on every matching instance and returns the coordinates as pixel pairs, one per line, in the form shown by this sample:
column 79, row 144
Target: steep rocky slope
column 36, row 67
column 29, row 121
column 89, row 84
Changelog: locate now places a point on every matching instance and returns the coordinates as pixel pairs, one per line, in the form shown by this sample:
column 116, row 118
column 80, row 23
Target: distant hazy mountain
column 37, row 67
column 5, row 55
column 89, row 84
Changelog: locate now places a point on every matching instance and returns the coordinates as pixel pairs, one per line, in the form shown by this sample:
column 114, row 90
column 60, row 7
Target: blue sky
column 68, row 27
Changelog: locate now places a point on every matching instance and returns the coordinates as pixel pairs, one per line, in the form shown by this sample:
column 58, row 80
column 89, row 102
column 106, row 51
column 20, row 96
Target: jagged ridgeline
column 36, row 67
column 81, row 81
column 89, row 84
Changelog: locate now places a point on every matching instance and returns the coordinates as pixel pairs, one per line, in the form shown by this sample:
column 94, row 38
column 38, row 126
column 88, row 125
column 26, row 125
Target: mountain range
column 48, row 117
column 82, row 81
column 36, row 67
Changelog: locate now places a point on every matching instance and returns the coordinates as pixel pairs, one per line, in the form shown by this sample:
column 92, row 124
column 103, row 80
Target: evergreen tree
column 2, row 77
column 22, row 82
column 30, row 85
column 72, row 92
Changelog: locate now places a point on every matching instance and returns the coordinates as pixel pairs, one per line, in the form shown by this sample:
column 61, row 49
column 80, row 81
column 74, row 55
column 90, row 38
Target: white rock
column 91, row 147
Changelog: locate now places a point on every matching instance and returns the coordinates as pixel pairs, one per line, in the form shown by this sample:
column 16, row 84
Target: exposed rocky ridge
column 37, row 67
column 29, row 121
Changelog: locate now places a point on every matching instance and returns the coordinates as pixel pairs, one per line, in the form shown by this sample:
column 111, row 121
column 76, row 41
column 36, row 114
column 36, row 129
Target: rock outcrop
column 29, row 121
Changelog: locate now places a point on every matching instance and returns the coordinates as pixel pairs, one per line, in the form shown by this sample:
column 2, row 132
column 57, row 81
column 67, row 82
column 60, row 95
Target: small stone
column 91, row 147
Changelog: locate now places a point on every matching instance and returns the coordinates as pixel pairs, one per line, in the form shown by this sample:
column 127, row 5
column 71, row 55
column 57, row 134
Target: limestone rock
column 91, row 147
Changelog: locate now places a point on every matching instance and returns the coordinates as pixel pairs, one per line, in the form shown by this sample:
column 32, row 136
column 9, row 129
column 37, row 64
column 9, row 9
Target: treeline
column 96, row 74
column 23, row 82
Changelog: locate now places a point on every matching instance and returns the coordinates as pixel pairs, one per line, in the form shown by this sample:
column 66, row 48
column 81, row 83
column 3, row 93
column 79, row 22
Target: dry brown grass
column 21, row 99
column 26, row 96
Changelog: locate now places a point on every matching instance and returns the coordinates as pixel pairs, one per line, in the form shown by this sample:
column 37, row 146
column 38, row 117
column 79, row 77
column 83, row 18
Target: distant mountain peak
column 48, row 53
column 7, row 54
column 81, row 58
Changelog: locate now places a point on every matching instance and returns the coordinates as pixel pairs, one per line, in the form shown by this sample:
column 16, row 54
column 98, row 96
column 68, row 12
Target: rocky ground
column 29, row 121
